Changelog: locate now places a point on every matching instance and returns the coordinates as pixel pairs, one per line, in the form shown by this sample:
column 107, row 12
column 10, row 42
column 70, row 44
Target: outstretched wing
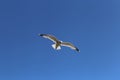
column 67, row 44
column 51, row 37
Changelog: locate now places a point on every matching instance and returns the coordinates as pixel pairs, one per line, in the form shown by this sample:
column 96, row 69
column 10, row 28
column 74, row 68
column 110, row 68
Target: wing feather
column 67, row 44
column 50, row 37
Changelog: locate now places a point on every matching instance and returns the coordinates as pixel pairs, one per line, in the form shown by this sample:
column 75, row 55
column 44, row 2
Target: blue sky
column 92, row 25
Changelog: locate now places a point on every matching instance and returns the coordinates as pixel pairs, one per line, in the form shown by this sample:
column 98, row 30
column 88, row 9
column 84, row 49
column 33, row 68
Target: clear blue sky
column 92, row 25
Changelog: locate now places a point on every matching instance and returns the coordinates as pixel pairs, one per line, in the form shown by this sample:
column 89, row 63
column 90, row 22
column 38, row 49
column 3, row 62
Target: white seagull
column 58, row 43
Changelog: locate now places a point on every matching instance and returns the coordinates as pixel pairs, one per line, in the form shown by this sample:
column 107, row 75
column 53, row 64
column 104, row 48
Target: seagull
column 57, row 43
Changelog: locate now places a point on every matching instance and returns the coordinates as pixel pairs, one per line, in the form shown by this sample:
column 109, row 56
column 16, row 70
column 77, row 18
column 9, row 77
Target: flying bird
column 57, row 43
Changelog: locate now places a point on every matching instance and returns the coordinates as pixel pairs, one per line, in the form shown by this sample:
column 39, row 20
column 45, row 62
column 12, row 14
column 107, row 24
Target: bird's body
column 59, row 43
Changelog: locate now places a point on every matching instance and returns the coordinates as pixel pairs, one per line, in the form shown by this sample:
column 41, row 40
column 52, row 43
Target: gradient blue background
column 92, row 25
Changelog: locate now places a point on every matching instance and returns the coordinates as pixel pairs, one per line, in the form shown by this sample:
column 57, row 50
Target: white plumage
column 59, row 43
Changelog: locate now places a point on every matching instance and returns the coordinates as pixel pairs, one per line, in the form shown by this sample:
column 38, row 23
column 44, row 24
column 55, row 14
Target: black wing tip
column 77, row 50
column 41, row 34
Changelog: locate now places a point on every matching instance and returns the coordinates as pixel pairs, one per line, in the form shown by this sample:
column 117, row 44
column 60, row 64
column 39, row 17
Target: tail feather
column 58, row 48
column 54, row 46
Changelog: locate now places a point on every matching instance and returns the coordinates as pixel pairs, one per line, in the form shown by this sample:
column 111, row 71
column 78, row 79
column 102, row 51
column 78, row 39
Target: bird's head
column 61, row 41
